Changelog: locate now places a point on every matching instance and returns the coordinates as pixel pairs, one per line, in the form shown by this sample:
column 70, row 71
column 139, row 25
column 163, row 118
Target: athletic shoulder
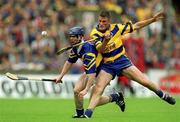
column 114, row 24
column 94, row 31
column 89, row 47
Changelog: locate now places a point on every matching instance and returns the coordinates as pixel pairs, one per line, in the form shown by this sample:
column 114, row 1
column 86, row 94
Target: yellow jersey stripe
column 93, row 60
column 87, row 68
column 72, row 56
column 111, row 59
column 114, row 52
column 98, row 59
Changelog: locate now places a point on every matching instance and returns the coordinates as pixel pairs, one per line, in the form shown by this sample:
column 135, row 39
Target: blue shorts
column 116, row 67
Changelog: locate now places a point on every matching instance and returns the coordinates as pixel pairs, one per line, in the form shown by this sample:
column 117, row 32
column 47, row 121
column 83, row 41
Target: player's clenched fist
column 107, row 36
column 59, row 79
column 158, row 16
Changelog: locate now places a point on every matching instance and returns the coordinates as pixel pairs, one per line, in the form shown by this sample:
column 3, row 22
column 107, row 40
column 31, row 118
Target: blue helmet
column 76, row 31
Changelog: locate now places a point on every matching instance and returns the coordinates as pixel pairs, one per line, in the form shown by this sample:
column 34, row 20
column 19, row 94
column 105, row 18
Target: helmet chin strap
column 79, row 37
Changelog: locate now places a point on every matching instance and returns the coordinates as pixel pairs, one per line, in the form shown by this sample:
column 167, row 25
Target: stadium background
column 154, row 49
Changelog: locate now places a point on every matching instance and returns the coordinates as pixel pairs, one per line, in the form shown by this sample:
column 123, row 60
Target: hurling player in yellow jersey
column 91, row 60
column 115, row 62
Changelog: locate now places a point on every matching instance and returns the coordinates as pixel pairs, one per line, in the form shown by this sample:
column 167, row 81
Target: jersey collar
column 102, row 31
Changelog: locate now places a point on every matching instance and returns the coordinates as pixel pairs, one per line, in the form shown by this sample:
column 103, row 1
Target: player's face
column 74, row 39
column 103, row 23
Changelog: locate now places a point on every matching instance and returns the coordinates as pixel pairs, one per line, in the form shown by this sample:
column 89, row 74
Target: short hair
column 105, row 13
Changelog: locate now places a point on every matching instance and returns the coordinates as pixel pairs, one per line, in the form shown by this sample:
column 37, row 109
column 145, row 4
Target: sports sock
column 114, row 97
column 160, row 93
column 88, row 113
column 79, row 112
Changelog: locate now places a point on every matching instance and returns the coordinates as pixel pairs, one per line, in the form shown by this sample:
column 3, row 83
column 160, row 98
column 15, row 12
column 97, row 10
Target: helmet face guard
column 76, row 32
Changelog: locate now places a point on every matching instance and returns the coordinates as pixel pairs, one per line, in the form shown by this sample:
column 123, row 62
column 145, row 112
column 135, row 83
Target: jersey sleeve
column 72, row 57
column 126, row 28
column 98, row 39
column 89, row 62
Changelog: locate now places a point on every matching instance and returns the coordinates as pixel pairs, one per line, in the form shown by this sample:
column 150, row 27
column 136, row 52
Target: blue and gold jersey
column 114, row 48
column 88, row 54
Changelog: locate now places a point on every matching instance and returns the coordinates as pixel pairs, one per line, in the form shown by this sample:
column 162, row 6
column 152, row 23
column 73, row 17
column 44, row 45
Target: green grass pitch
column 61, row 110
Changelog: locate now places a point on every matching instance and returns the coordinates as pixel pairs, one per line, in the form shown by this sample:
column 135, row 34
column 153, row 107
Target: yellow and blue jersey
column 88, row 54
column 114, row 48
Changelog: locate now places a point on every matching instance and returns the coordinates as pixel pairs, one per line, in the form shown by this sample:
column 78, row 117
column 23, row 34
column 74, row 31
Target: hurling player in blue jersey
column 91, row 60
column 115, row 62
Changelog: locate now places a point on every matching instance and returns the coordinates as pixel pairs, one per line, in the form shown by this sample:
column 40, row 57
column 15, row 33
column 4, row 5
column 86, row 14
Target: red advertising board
column 171, row 83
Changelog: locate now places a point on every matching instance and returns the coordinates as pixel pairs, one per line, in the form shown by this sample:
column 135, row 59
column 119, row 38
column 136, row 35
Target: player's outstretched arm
column 65, row 69
column 144, row 23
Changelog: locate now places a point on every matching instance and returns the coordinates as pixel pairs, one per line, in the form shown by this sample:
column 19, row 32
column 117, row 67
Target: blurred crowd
column 23, row 47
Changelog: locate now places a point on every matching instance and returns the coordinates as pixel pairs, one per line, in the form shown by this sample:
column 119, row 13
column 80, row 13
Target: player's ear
column 78, row 38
